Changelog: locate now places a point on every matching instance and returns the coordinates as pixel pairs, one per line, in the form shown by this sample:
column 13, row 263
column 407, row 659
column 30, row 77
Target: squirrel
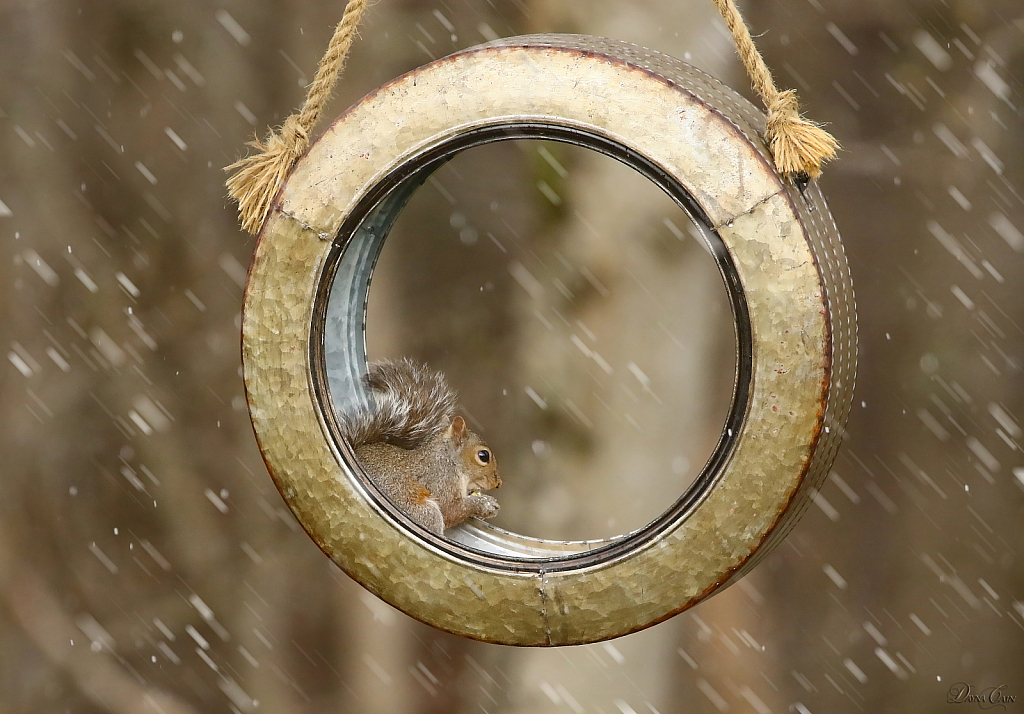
column 417, row 451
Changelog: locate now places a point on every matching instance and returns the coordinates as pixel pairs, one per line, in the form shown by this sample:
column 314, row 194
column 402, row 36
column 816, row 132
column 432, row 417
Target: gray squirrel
column 417, row 451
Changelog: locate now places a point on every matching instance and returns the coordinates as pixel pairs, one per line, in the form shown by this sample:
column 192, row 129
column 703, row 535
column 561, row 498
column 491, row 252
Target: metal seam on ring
column 750, row 210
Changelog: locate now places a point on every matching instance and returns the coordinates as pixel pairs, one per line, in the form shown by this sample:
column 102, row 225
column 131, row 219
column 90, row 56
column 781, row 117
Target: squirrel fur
column 417, row 451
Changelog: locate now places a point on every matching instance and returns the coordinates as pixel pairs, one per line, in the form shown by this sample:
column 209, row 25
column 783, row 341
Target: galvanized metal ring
column 779, row 253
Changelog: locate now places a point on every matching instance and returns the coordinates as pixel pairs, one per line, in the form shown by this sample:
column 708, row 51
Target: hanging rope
column 797, row 145
column 258, row 177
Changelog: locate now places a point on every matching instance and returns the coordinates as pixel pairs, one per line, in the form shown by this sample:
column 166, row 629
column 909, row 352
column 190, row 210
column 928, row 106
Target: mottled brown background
column 148, row 564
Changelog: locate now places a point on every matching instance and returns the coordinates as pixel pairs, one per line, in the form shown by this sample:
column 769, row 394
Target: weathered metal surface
column 785, row 251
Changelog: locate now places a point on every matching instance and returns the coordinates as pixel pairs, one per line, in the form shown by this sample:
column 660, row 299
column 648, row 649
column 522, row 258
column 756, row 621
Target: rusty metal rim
column 382, row 204
column 787, row 252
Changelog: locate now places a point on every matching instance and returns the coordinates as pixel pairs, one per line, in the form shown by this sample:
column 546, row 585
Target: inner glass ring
column 337, row 351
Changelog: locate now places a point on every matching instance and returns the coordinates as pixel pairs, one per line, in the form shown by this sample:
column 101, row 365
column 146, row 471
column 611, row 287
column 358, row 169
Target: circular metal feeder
column 777, row 248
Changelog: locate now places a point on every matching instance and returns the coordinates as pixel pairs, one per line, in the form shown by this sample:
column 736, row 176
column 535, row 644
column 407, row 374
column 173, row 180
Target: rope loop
column 798, row 146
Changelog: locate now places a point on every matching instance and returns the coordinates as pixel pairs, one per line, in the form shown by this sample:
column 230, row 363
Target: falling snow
column 147, row 562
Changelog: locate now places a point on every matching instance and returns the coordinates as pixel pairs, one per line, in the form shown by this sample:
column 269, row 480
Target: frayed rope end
column 257, row 178
column 798, row 146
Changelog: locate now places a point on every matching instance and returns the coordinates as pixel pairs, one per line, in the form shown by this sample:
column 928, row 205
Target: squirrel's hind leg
column 428, row 515
column 417, row 502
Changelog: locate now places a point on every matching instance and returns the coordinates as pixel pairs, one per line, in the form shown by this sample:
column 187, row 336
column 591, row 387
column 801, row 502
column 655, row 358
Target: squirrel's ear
column 458, row 429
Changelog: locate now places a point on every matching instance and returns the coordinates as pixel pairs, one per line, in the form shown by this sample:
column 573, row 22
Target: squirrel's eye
column 483, row 456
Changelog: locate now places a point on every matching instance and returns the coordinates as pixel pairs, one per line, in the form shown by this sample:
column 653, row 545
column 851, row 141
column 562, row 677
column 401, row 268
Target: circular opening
column 581, row 313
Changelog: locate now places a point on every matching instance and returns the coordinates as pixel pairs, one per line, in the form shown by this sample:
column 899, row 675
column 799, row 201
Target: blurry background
column 589, row 333
column 148, row 564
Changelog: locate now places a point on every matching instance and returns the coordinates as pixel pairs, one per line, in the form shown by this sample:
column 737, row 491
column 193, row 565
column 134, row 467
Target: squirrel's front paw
column 483, row 506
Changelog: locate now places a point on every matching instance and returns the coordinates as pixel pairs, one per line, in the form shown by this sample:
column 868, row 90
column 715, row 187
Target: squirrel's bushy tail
column 412, row 405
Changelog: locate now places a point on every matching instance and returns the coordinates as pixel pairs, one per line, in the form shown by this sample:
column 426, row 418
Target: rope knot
column 798, row 146
column 258, row 178
column 294, row 135
column 783, row 105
